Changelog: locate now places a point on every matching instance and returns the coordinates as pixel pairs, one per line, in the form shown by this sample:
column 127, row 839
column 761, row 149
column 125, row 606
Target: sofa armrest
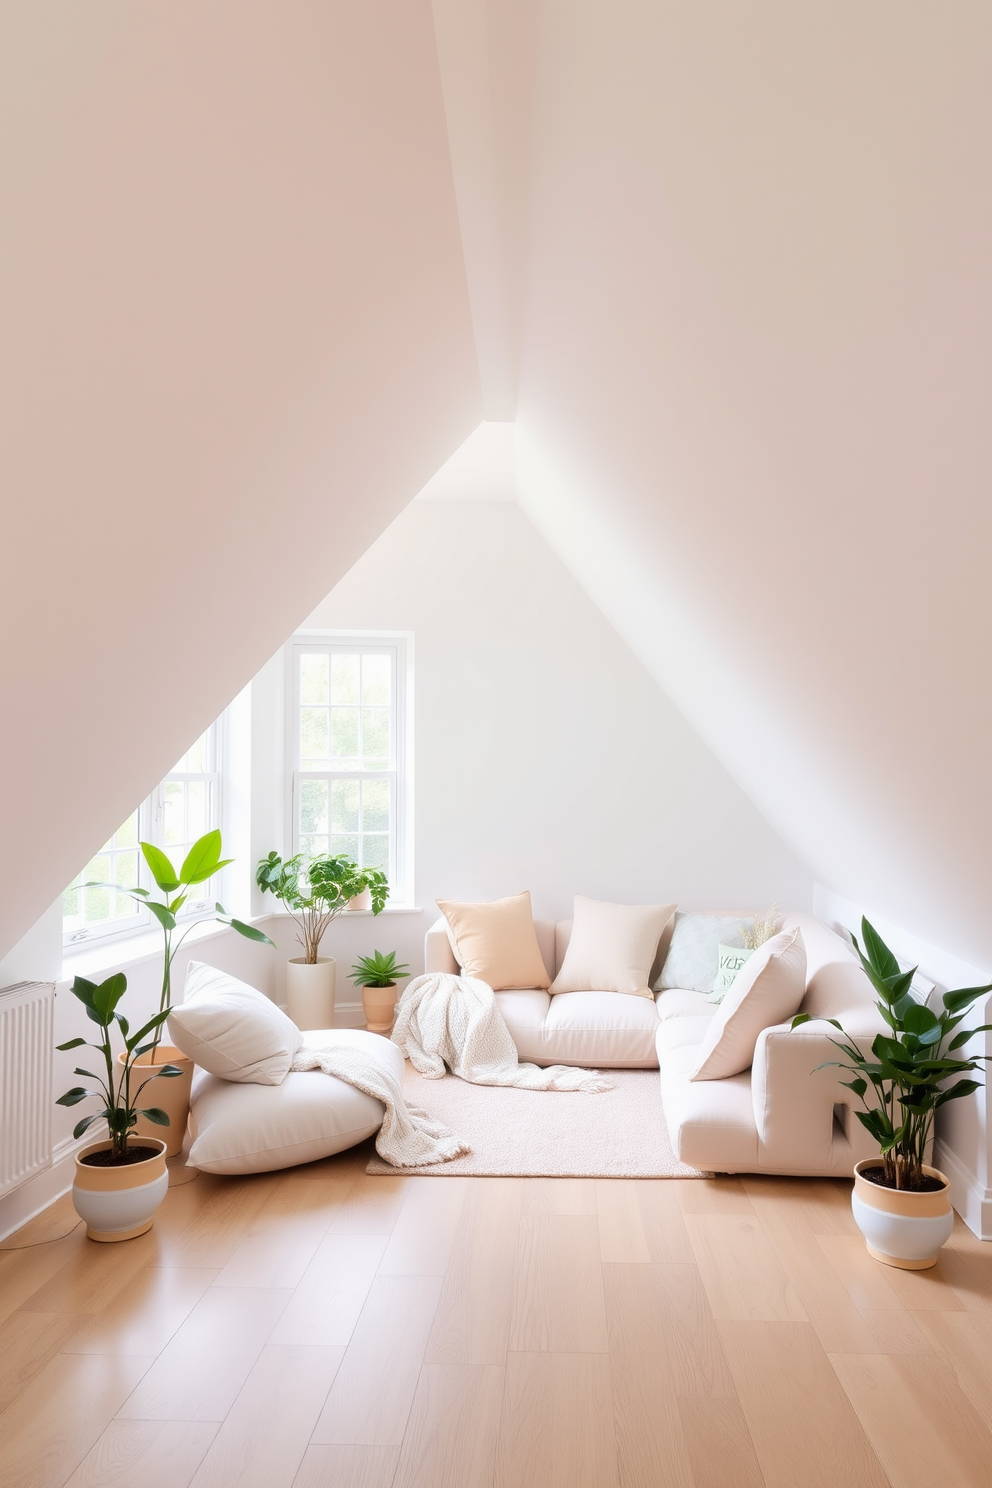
column 804, row 1116
column 438, row 955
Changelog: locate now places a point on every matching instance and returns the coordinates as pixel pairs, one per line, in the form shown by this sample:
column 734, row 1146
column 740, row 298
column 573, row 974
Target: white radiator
column 27, row 1022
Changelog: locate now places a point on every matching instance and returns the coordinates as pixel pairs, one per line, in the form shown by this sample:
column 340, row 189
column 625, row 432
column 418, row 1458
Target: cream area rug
column 515, row 1133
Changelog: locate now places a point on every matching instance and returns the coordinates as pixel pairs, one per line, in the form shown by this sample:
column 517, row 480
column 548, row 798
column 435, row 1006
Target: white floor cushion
column 239, row 1128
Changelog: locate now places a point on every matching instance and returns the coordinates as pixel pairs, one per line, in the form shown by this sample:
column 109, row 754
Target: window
column 184, row 806
column 349, row 751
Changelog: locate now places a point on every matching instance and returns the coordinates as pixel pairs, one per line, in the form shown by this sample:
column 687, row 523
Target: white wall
column 546, row 756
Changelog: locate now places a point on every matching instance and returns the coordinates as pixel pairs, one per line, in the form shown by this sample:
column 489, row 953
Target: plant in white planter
column 121, row 1180
column 377, row 976
column 315, row 890
column 901, row 1204
column 199, row 865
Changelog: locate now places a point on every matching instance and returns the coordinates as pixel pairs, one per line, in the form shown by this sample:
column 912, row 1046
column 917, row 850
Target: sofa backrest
column 836, row 987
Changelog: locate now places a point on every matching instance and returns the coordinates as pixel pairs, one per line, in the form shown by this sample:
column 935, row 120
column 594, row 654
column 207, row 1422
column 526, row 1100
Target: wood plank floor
column 324, row 1329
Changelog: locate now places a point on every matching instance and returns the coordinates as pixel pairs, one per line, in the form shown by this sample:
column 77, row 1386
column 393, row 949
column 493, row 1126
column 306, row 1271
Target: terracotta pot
column 171, row 1096
column 120, row 1203
column 380, row 1008
column 902, row 1228
column 310, row 992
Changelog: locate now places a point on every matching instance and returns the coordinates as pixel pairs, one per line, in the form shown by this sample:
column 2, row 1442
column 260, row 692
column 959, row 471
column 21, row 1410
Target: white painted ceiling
column 726, row 266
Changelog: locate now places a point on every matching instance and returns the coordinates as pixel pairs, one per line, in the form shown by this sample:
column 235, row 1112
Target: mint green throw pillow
column 731, row 959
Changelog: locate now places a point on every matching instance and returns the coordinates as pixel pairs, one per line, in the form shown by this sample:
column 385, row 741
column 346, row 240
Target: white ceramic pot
column 119, row 1203
column 171, row 1096
column 362, row 900
column 902, row 1228
column 310, row 992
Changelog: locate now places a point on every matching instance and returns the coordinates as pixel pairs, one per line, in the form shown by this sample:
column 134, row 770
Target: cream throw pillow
column 767, row 990
column 612, row 947
column 228, row 1028
column 496, row 942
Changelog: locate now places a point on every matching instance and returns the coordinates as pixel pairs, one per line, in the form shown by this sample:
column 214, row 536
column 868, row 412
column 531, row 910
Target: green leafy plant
column 316, row 889
column 908, row 1070
column 200, row 864
column 120, row 1103
column 378, row 970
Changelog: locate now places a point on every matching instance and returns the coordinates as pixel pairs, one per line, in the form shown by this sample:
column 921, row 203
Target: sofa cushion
column 693, row 956
column 496, row 942
column 766, row 991
column 257, row 1128
column 612, row 947
column 612, row 1029
column 711, row 1124
column 231, row 1030
column 679, row 1004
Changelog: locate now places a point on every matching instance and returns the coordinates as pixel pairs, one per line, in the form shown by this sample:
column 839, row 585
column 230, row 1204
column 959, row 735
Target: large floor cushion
column 612, row 1029
column 257, row 1128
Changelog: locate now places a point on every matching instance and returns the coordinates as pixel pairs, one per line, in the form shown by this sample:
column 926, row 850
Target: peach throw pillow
column 496, row 942
column 612, row 947
column 768, row 989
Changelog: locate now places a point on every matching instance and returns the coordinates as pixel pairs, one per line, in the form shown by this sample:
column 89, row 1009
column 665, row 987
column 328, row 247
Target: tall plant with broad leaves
column 315, row 890
column 120, row 1103
column 912, row 1071
column 200, row 864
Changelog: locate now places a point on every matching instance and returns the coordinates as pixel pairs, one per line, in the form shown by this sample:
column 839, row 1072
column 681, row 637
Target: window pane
column 96, row 905
column 313, row 733
column 313, row 807
column 376, row 673
column 344, row 844
column 314, row 679
column 344, row 733
column 126, row 873
column 173, row 813
column 344, row 806
column 196, row 810
column 344, row 679
column 375, row 805
column 70, row 906
column 98, row 869
column 375, row 852
column 313, row 844
column 375, row 733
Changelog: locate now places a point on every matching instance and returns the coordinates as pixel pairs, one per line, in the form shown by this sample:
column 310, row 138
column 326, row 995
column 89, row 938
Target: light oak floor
column 320, row 1327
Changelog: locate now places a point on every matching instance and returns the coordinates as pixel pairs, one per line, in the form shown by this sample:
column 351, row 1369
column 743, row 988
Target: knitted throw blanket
column 408, row 1138
column 445, row 1020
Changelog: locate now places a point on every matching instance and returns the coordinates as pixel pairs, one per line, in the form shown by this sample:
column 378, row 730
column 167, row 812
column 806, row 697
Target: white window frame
column 400, row 772
column 151, row 817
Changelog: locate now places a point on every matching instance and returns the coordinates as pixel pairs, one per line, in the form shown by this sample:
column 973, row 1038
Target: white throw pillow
column 228, row 1028
column 691, row 964
column 612, row 948
column 768, row 990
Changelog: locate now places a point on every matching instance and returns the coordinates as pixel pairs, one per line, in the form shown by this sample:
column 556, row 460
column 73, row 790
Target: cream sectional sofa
column 781, row 1116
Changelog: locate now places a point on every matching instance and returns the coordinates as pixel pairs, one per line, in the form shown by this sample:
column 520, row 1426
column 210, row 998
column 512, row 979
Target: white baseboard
column 971, row 1200
column 30, row 1198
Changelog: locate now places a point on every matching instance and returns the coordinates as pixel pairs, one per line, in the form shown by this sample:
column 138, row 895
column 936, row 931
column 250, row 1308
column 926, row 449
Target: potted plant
column 901, row 1204
column 315, row 890
column 200, row 864
column 121, row 1180
column 377, row 976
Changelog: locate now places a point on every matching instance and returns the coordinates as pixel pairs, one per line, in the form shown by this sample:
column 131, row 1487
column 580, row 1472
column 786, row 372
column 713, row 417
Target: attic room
column 525, row 464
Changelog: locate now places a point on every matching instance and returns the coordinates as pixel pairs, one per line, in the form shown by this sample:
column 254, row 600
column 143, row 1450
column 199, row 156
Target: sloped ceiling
column 745, row 251
column 235, row 341
column 726, row 266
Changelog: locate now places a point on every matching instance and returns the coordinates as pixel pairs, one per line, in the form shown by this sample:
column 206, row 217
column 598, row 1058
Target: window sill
column 109, row 956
